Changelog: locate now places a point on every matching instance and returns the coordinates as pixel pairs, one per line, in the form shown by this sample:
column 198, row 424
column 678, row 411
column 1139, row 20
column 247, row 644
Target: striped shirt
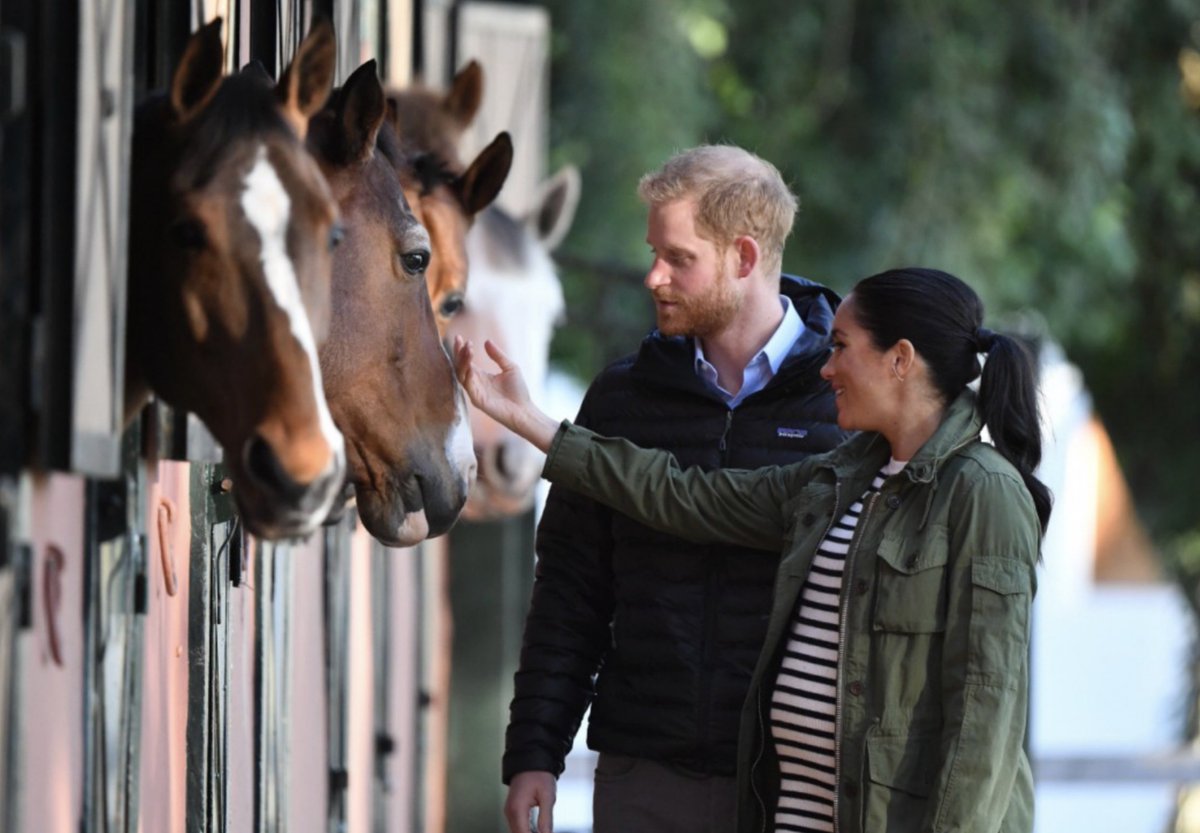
column 804, row 701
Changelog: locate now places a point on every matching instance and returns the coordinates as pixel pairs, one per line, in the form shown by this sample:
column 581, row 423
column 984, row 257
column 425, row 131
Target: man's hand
column 526, row 791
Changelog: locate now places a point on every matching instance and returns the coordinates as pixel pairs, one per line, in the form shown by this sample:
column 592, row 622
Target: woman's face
column 862, row 376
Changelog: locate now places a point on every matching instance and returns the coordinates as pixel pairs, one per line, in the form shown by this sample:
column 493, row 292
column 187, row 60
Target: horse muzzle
column 421, row 507
column 273, row 504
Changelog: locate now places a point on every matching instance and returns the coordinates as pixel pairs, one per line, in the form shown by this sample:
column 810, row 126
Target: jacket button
column 808, row 518
column 856, row 688
column 860, row 586
column 850, row 789
column 911, row 561
column 893, row 502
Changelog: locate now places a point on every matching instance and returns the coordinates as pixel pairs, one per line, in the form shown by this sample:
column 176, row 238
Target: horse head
column 515, row 299
column 444, row 193
column 388, row 379
column 231, row 226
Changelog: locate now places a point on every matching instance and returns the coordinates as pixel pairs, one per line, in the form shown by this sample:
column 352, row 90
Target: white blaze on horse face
column 268, row 207
column 460, row 445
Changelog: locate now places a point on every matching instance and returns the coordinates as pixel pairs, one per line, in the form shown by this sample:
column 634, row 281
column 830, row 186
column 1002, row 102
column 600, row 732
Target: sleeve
column 566, row 632
column 742, row 506
column 994, row 545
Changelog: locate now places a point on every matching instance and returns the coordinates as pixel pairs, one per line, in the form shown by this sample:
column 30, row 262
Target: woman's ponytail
column 1008, row 403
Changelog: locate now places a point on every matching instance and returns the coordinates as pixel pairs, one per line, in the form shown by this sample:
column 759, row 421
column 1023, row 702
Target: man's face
column 693, row 282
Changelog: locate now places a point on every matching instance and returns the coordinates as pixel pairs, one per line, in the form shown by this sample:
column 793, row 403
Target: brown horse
column 444, row 194
column 388, row 380
column 231, row 229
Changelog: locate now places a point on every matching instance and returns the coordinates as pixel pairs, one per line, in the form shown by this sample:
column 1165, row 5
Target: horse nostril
column 504, row 462
column 263, row 466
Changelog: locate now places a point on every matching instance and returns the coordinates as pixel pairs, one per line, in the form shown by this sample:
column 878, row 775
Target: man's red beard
column 699, row 316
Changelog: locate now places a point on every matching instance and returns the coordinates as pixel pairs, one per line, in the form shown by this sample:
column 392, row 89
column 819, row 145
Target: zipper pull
column 721, row 446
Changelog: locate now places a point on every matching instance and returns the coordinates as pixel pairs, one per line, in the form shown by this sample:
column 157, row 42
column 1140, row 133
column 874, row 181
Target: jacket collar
column 960, row 427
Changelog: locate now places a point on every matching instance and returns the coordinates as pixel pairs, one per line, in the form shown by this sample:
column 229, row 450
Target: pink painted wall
column 405, row 672
column 308, row 749
column 163, row 787
column 50, row 722
column 361, row 696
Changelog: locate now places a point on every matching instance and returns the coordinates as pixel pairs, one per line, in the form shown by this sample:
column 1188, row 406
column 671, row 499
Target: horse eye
column 336, row 235
column 414, row 263
column 190, row 234
column 451, row 305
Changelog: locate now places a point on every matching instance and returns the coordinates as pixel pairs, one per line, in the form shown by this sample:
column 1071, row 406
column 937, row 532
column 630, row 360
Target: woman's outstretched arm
column 723, row 505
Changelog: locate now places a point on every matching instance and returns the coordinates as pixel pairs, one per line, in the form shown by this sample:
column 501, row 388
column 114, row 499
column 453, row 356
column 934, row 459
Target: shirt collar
column 765, row 363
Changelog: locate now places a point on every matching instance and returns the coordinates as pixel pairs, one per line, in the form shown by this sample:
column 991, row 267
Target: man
column 660, row 635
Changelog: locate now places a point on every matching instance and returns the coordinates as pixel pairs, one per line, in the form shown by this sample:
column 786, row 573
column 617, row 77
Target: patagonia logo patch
column 792, row 433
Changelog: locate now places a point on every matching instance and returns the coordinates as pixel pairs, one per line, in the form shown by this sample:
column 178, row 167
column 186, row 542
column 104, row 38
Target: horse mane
column 431, row 170
column 388, row 144
column 244, row 104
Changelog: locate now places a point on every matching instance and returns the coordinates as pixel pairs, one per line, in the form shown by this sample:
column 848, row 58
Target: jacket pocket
column 1002, row 591
column 910, row 596
column 900, row 776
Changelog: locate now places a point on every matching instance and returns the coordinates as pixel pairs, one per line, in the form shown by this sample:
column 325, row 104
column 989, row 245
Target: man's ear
column 748, row 254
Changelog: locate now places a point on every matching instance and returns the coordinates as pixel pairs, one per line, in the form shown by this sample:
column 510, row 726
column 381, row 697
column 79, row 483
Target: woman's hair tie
column 984, row 339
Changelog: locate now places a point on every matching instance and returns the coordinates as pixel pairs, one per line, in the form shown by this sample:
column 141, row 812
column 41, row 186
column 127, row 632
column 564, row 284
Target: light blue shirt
column 766, row 362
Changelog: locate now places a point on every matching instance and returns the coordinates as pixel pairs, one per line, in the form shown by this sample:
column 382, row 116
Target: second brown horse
column 388, row 380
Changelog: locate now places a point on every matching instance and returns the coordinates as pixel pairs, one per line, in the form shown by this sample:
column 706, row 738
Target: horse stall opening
column 161, row 667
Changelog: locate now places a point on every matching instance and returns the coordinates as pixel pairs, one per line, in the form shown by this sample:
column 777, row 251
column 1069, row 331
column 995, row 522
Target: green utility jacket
column 936, row 594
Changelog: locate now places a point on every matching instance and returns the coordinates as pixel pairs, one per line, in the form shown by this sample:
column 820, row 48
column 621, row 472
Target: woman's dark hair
column 943, row 318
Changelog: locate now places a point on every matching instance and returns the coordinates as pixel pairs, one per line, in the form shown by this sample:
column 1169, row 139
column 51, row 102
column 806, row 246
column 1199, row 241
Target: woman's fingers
column 498, row 356
column 462, row 360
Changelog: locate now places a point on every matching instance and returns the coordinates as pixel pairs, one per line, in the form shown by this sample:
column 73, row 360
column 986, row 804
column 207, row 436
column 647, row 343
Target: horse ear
column 465, row 94
column 554, row 210
column 308, row 80
column 199, row 73
column 482, row 181
column 361, row 111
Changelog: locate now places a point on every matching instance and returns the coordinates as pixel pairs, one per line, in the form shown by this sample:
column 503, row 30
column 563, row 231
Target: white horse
column 514, row 298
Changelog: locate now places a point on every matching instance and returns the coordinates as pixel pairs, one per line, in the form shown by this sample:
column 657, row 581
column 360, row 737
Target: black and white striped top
column 804, row 702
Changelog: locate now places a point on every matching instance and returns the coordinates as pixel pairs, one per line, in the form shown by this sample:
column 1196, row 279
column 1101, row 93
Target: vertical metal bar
column 263, row 20
column 382, row 625
column 54, row 80
column 16, row 27
column 199, row 662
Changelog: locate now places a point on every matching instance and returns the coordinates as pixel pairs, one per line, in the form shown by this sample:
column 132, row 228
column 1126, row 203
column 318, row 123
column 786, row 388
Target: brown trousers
column 637, row 795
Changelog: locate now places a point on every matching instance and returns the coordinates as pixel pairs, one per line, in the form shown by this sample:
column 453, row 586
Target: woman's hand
column 503, row 396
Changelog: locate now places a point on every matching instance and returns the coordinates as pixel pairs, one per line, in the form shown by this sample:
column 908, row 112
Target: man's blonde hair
column 736, row 193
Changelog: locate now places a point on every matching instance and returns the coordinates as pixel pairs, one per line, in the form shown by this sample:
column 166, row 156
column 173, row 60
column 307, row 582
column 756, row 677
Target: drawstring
column 929, row 492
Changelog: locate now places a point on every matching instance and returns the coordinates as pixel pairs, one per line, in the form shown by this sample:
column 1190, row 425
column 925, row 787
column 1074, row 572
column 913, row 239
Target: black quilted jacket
column 660, row 636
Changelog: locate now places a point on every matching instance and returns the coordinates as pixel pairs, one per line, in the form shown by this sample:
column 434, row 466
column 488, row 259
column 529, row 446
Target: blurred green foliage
column 1048, row 153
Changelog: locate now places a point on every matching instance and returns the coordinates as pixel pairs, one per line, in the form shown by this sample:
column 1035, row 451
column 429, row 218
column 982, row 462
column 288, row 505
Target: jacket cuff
column 567, row 449
column 514, row 763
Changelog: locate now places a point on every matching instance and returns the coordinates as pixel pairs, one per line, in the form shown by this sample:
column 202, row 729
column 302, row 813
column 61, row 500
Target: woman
column 891, row 693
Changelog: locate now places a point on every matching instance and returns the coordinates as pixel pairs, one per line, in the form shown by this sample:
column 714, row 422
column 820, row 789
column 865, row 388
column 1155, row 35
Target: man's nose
column 656, row 277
